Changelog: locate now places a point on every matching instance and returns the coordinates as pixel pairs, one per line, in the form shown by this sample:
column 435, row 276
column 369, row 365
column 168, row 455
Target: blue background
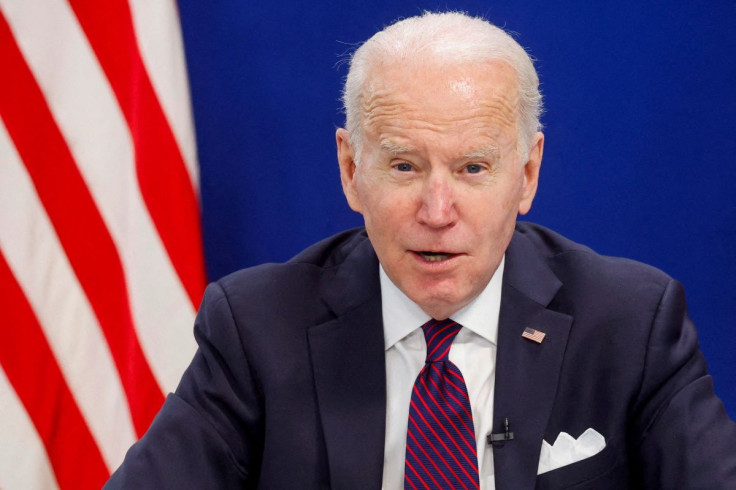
column 640, row 148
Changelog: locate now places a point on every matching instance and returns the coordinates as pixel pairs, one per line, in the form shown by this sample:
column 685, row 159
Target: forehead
column 478, row 98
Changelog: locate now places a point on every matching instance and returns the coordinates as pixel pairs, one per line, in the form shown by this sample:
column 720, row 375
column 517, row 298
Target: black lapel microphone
column 501, row 437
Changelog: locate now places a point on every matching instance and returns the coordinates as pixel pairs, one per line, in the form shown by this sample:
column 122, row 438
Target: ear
column 531, row 173
column 346, row 160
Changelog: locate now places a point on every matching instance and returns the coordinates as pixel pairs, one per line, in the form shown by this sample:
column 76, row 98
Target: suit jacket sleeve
column 210, row 430
column 681, row 436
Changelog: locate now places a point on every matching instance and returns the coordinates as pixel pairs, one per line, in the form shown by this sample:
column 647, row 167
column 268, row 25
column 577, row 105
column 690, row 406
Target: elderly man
column 445, row 345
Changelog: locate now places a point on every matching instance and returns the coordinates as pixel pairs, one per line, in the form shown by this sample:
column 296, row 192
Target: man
column 548, row 365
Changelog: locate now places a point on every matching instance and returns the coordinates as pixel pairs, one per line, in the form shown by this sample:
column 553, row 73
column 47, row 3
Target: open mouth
column 435, row 256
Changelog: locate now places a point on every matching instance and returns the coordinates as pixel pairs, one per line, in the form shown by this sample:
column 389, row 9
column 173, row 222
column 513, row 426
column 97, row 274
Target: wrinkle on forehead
column 386, row 114
column 425, row 98
column 462, row 86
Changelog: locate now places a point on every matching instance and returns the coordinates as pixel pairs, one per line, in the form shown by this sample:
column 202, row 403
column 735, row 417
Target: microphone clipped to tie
column 501, row 437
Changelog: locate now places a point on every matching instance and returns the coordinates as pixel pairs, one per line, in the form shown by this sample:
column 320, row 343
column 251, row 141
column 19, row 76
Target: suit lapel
column 349, row 371
column 526, row 372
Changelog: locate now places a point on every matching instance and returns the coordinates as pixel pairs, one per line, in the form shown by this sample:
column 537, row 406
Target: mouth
column 436, row 256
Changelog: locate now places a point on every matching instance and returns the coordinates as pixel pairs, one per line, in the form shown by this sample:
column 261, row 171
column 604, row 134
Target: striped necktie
column 440, row 441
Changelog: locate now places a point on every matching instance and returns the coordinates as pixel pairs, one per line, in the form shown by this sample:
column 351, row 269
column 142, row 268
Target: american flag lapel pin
column 533, row 335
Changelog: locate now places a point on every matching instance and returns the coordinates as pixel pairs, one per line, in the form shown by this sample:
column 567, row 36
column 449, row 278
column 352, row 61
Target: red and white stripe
column 101, row 265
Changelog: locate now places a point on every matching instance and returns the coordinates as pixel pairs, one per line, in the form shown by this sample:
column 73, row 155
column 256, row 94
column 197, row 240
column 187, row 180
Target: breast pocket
column 603, row 471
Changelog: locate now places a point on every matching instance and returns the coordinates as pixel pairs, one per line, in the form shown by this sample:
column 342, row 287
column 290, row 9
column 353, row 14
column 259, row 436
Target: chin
column 441, row 306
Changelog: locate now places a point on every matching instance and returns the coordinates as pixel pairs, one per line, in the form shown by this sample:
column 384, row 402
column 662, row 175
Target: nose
column 437, row 209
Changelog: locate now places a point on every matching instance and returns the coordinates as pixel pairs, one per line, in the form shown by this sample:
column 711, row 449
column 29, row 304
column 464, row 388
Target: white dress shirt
column 473, row 352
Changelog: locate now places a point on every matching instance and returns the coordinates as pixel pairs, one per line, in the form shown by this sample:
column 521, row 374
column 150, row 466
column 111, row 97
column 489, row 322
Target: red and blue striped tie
column 440, row 441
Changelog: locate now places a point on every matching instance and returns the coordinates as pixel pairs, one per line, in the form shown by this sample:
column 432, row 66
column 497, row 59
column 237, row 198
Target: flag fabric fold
column 101, row 263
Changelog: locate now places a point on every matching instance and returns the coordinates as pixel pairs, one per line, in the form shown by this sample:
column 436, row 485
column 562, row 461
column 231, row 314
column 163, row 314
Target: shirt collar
column 401, row 316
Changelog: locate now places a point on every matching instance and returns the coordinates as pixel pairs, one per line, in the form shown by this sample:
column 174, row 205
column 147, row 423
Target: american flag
column 101, row 265
column 534, row 335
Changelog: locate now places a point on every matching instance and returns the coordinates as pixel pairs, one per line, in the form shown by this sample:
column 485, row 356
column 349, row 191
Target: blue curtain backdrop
column 640, row 151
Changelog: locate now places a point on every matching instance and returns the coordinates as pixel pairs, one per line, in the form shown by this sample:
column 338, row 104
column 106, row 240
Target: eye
column 474, row 168
column 403, row 167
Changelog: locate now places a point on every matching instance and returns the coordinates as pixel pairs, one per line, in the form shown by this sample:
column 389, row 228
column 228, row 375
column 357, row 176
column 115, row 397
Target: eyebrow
column 486, row 151
column 395, row 148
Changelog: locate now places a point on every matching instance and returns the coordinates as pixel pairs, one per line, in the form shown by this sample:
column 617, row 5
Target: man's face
column 441, row 177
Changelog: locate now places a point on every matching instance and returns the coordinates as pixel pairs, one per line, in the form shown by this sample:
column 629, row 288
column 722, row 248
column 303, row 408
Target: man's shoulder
column 306, row 268
column 609, row 297
column 334, row 250
column 579, row 265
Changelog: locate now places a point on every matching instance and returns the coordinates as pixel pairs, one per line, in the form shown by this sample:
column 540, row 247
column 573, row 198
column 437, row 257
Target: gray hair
column 452, row 36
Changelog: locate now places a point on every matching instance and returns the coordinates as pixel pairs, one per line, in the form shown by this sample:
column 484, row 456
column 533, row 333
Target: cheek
column 490, row 217
column 512, row 194
column 385, row 204
column 377, row 212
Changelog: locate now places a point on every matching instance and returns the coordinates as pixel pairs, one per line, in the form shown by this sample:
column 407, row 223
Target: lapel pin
column 533, row 335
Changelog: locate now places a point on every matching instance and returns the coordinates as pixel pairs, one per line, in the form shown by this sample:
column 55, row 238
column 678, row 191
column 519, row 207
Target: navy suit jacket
column 287, row 389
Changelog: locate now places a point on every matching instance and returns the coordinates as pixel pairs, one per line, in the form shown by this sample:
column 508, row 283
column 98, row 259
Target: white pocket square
column 568, row 450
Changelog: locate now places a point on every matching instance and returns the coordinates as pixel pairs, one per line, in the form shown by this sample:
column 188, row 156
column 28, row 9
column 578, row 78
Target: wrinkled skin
column 442, row 176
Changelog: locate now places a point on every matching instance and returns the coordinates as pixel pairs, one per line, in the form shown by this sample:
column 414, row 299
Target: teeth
column 435, row 256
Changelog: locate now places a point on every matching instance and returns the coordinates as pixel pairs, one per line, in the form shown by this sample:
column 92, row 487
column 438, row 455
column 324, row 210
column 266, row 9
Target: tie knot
column 439, row 336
